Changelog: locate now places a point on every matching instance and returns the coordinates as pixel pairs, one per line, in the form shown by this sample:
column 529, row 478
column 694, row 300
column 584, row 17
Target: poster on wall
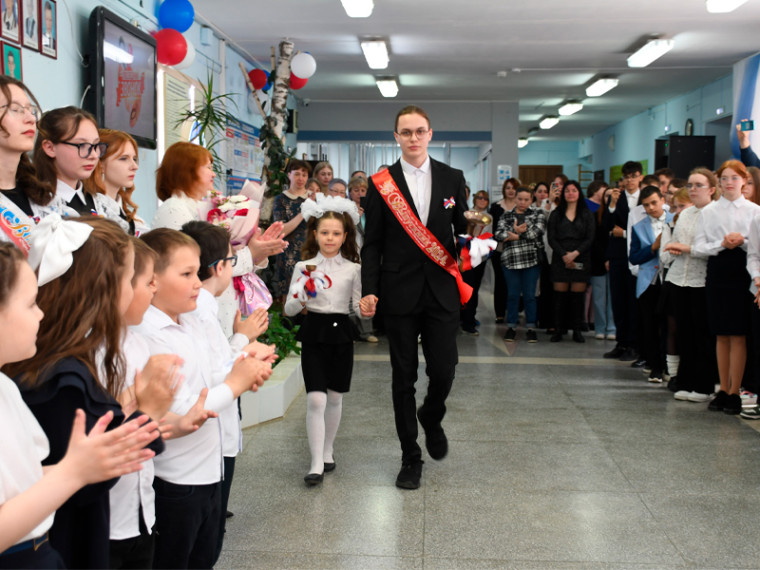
column 30, row 36
column 12, row 60
column 245, row 158
column 48, row 28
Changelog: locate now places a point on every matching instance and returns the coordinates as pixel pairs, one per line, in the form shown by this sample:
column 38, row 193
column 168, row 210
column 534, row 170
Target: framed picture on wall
column 30, row 34
column 11, row 11
column 48, row 31
column 11, row 60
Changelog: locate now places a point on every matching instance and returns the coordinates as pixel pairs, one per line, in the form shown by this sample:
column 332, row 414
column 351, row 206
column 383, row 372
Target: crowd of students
column 674, row 267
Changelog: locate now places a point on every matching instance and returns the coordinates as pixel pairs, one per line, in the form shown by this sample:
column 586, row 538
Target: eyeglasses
column 85, row 149
column 21, row 110
column 232, row 259
column 631, row 176
column 407, row 134
column 696, row 186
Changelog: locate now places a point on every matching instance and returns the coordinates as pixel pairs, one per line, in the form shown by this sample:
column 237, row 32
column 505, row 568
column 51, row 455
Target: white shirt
column 134, row 489
column 753, row 252
column 420, row 183
column 23, row 446
column 686, row 270
column 346, row 286
column 222, row 355
column 720, row 218
column 67, row 192
column 194, row 459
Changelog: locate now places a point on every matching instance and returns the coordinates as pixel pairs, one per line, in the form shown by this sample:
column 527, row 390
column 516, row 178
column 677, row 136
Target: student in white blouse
column 722, row 232
column 697, row 368
column 327, row 333
column 186, row 177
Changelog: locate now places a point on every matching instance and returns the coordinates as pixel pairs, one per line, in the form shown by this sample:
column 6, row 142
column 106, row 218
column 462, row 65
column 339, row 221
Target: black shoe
column 733, row 405
column 718, row 402
column 628, row 355
column 578, row 337
column 229, row 514
column 436, row 442
column 673, row 384
column 314, row 479
column 470, row 330
column 616, row 352
column 531, row 336
column 639, row 363
column 410, row 474
column 556, row 337
column 329, row 467
column 499, row 320
column 510, row 335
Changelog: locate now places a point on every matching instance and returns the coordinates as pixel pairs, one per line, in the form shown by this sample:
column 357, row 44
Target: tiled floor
column 558, row 459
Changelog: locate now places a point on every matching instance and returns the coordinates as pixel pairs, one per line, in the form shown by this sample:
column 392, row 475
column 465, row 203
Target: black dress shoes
column 435, row 438
column 410, row 474
column 616, row 352
column 329, row 467
column 314, row 479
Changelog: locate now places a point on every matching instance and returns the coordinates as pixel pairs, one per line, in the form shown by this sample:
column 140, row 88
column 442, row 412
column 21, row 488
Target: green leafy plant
column 210, row 118
column 282, row 334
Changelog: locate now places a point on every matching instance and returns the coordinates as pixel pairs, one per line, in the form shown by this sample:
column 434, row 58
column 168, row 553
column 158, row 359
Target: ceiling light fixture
column 388, row 86
column 570, row 108
column 652, row 50
column 522, row 142
column 548, row 121
column 723, row 6
column 601, row 86
column 376, row 53
column 358, row 8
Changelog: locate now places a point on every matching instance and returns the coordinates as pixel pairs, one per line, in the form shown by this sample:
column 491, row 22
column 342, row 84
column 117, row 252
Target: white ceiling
column 452, row 50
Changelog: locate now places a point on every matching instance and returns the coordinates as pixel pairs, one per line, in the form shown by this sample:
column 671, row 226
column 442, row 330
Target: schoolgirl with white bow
column 323, row 284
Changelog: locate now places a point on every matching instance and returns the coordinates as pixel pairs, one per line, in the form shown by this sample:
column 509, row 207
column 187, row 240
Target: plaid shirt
column 526, row 251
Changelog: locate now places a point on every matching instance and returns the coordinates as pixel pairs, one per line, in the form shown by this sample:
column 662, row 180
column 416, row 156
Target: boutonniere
column 449, row 203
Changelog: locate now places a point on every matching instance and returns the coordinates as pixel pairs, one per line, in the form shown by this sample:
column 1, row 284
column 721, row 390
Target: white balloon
column 189, row 56
column 303, row 65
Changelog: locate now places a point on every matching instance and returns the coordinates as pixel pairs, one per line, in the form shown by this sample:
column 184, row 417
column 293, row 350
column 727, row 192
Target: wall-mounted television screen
column 122, row 91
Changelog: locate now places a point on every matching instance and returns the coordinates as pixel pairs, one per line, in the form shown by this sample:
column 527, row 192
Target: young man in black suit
column 415, row 295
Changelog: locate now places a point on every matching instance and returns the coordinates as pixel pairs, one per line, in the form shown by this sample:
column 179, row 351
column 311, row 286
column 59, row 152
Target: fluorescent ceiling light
column 723, row 6
column 548, row 121
column 522, row 143
column 570, row 108
column 358, row 8
column 388, row 86
column 651, row 51
column 601, row 86
column 376, row 53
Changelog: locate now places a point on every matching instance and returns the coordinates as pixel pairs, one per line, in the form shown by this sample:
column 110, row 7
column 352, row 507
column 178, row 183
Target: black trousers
column 698, row 367
column 499, row 286
column 438, row 327
column 132, row 553
column 229, row 473
column 651, row 327
column 473, row 277
column 623, row 297
column 44, row 557
column 187, row 524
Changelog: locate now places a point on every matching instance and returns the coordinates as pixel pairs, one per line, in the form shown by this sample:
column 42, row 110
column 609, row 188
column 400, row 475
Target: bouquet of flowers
column 239, row 214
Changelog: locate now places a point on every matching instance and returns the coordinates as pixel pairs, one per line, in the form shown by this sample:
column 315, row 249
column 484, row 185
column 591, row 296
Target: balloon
column 297, row 82
column 171, row 46
column 189, row 58
column 258, row 77
column 303, row 65
column 176, row 15
column 268, row 86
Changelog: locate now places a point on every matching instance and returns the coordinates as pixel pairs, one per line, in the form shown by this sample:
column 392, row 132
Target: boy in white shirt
column 189, row 472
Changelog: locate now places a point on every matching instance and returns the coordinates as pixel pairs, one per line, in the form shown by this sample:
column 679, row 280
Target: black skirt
column 327, row 351
column 561, row 274
column 728, row 298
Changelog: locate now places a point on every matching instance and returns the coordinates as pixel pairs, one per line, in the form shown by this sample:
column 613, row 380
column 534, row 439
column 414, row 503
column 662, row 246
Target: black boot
column 559, row 306
column 578, row 306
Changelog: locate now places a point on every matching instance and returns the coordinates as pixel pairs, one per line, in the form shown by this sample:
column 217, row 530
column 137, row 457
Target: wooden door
column 530, row 174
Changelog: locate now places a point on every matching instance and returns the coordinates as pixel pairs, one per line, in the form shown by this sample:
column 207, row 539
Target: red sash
column 412, row 225
column 16, row 230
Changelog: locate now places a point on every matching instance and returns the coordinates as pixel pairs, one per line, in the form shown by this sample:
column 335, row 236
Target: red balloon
column 171, row 46
column 258, row 77
column 297, row 82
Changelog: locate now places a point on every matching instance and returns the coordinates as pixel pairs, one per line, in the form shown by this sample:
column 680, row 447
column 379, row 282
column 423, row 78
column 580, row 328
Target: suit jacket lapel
column 397, row 173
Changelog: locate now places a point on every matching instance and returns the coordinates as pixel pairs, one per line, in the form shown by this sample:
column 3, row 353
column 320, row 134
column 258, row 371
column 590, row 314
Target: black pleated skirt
column 728, row 297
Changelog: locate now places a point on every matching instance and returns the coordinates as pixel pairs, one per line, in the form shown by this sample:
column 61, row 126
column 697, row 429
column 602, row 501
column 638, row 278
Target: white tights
column 322, row 420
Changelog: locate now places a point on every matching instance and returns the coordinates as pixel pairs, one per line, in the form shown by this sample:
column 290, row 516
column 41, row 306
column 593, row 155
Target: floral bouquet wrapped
column 239, row 214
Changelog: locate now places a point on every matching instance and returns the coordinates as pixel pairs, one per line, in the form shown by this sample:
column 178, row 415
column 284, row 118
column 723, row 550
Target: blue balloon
column 176, row 14
column 269, row 82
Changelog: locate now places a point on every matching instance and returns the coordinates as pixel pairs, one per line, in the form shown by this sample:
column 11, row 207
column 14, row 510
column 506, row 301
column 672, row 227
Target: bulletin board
column 245, row 157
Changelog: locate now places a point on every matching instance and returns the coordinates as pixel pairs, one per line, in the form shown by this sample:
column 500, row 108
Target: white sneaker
column 697, row 397
column 749, row 400
column 599, row 336
column 611, row 336
column 682, row 395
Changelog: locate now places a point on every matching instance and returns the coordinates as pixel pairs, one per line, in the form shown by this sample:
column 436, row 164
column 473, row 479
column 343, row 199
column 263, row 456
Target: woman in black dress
column 506, row 204
column 571, row 233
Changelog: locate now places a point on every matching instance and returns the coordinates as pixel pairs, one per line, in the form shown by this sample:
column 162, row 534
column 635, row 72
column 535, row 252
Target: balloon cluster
column 172, row 48
column 302, row 66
